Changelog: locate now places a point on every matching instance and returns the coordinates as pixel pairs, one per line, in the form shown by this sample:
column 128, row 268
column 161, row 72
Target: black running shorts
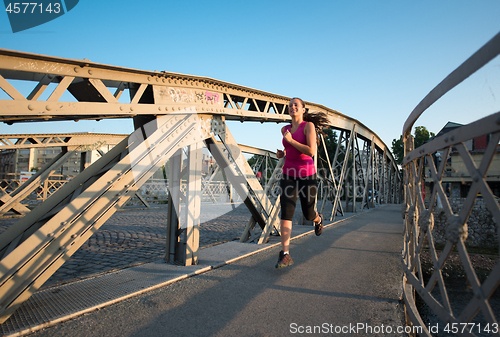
column 305, row 188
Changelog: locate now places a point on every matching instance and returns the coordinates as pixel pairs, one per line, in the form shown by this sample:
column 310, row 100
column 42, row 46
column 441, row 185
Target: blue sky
column 371, row 60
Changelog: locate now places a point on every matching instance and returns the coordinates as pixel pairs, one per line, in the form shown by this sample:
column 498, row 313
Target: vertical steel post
column 382, row 184
column 174, row 199
column 331, row 172
column 354, row 175
column 83, row 160
column 372, row 175
column 191, row 221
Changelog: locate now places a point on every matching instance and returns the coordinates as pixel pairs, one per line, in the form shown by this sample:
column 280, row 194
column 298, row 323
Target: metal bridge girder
column 56, row 229
column 243, row 179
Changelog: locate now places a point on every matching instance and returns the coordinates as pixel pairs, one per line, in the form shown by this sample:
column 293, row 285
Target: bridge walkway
column 349, row 277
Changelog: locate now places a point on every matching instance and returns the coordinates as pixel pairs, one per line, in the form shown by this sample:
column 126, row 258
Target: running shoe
column 284, row 260
column 318, row 226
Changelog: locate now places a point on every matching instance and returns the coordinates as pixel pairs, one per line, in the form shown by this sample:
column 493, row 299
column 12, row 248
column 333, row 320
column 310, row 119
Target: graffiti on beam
column 200, row 97
column 179, row 95
column 45, row 67
column 212, row 97
column 91, row 147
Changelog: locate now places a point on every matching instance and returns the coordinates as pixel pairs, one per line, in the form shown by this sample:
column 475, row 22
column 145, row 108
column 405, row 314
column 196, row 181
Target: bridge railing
column 154, row 191
column 451, row 215
column 11, row 181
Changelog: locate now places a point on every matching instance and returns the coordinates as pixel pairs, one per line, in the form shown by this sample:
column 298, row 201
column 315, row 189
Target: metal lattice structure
column 172, row 113
column 419, row 213
column 13, row 191
column 74, row 144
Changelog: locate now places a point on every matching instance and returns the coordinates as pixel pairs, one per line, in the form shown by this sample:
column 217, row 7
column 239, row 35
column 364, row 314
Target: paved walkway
column 135, row 236
column 348, row 279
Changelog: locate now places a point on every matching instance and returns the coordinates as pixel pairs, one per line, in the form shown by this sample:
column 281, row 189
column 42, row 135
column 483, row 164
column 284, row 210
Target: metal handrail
column 421, row 225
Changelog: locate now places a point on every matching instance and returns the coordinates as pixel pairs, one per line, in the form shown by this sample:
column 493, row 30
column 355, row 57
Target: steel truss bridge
column 173, row 116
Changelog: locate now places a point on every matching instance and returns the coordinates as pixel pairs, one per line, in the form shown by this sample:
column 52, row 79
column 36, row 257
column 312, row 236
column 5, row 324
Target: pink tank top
column 297, row 164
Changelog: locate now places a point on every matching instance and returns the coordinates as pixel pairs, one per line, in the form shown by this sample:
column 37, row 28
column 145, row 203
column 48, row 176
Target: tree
column 398, row 150
column 251, row 161
column 421, row 136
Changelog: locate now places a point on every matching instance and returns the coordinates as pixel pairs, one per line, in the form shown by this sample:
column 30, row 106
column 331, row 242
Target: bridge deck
column 349, row 275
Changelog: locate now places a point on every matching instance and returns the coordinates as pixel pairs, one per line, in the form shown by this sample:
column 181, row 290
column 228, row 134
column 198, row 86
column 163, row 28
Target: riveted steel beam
column 97, row 88
column 55, row 230
column 87, row 141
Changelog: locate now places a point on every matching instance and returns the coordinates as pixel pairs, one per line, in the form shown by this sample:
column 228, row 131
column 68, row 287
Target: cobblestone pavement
column 132, row 237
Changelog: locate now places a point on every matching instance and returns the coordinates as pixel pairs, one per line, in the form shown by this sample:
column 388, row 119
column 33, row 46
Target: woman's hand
column 309, row 148
column 280, row 154
column 288, row 136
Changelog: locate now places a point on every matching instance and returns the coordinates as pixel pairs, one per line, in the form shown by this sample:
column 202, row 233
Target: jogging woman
column 299, row 172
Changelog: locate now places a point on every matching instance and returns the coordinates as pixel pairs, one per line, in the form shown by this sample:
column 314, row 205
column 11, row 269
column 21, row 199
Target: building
column 456, row 178
column 29, row 153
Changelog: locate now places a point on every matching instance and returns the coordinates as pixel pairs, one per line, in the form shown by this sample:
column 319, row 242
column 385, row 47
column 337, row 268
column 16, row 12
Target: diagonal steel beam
column 332, row 181
column 343, row 173
column 13, row 200
column 367, row 181
column 265, row 206
column 241, row 176
column 56, row 229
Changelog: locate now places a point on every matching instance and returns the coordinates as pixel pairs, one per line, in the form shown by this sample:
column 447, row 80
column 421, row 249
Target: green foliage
column 398, row 150
column 421, row 136
column 330, row 142
column 252, row 160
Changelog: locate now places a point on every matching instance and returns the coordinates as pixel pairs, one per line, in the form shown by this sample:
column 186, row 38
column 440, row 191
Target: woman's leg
column 288, row 200
column 317, row 218
column 284, row 259
column 286, row 232
column 308, row 189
